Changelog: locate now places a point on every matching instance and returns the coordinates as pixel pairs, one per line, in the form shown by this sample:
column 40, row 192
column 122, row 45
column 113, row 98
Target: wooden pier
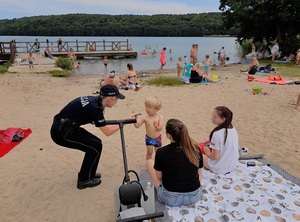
column 7, row 51
column 109, row 54
column 82, row 49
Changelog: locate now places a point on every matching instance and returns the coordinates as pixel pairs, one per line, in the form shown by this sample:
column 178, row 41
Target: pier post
column 77, row 45
column 104, row 44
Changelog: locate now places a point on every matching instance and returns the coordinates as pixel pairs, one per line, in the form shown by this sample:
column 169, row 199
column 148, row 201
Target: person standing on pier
column 37, row 47
column 119, row 46
column 59, row 44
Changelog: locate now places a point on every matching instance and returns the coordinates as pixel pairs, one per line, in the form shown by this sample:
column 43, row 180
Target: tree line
column 117, row 25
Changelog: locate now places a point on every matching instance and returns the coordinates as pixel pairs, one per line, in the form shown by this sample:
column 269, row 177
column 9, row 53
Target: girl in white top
column 222, row 155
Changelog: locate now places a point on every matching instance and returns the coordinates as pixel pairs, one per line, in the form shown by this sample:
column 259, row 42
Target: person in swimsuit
column 30, row 60
column 72, row 56
column 59, row 44
column 163, row 60
column 48, row 54
column 37, row 47
column 154, row 125
column 130, row 81
column 185, row 61
column 194, row 53
column 254, row 64
column 197, row 75
column 179, row 66
column 207, row 64
column 222, row 55
column 109, row 80
column 105, row 63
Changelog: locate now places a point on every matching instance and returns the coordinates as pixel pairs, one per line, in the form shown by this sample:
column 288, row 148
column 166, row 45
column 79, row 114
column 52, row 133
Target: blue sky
column 20, row 8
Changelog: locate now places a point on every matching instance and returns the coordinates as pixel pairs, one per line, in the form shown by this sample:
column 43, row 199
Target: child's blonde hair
column 179, row 59
column 153, row 102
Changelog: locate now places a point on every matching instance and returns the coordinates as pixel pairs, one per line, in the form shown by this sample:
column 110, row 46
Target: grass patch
column 4, row 68
column 64, row 63
column 59, row 73
column 164, row 81
column 288, row 69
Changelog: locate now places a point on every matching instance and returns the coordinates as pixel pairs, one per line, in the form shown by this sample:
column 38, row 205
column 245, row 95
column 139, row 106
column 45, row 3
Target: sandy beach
column 38, row 178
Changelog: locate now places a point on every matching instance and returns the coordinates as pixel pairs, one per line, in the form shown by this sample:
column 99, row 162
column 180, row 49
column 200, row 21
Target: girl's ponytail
column 181, row 136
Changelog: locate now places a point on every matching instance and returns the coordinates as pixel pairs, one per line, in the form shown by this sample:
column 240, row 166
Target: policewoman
column 66, row 130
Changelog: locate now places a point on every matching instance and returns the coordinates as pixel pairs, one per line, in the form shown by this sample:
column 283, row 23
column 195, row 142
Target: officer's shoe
column 88, row 183
column 97, row 176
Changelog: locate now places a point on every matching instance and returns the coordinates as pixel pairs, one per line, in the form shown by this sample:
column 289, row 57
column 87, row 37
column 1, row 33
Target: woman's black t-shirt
column 178, row 174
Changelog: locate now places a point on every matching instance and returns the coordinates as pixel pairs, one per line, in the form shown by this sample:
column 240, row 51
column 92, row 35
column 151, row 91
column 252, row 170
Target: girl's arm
column 159, row 175
column 200, row 174
column 213, row 154
column 140, row 122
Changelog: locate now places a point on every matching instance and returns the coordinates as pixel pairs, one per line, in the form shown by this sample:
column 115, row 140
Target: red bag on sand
column 12, row 135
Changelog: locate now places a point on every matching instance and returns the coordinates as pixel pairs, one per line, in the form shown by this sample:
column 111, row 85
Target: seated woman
column 197, row 75
column 130, row 80
column 222, row 155
column 110, row 79
column 177, row 169
column 253, row 68
column 48, row 54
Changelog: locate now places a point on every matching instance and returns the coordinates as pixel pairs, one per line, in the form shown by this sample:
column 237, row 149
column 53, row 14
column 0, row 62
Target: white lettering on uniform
column 101, row 120
column 84, row 101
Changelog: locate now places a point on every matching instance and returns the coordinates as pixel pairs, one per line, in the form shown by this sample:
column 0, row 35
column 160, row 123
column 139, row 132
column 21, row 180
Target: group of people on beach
column 176, row 169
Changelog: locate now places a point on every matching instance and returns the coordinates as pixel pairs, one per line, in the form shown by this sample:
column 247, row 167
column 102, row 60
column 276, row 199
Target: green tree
column 264, row 20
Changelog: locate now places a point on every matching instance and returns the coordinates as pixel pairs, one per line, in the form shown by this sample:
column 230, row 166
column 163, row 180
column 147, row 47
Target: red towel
column 5, row 148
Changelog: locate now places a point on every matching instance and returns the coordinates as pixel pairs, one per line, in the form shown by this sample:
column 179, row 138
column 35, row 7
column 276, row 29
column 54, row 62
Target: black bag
column 268, row 67
column 253, row 70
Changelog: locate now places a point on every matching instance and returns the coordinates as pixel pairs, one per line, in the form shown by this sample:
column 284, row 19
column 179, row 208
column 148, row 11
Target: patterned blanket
column 247, row 194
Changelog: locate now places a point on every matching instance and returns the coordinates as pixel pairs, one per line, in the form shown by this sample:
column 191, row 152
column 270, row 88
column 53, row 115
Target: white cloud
column 141, row 6
column 19, row 8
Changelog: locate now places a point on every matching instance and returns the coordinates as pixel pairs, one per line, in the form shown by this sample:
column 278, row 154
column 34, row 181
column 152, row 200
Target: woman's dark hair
column 130, row 66
column 164, row 48
column 180, row 135
column 227, row 115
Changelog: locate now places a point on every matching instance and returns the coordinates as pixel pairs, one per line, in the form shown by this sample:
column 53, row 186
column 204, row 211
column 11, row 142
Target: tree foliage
column 264, row 20
column 117, row 25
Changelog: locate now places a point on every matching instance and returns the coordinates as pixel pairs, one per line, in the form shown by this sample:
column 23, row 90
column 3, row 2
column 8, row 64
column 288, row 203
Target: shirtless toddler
column 154, row 125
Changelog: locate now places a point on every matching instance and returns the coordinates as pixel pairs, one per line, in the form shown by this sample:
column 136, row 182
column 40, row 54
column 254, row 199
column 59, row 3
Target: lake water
column 180, row 47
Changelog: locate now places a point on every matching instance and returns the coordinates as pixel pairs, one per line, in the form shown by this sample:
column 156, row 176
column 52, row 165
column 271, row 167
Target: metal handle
column 118, row 122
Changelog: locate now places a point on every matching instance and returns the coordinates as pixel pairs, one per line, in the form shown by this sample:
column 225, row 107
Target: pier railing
column 77, row 46
column 8, row 50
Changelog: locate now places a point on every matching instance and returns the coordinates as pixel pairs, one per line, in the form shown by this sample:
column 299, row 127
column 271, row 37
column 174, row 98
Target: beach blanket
column 6, row 147
column 276, row 82
column 247, row 194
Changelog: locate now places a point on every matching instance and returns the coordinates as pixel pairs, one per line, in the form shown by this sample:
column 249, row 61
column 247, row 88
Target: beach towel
column 277, row 80
column 5, row 144
column 247, row 194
